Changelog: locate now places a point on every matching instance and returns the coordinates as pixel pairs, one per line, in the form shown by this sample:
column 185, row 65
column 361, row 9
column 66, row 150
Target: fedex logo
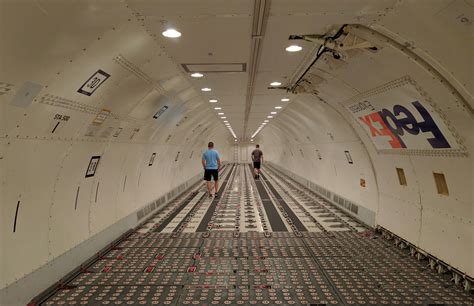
column 397, row 124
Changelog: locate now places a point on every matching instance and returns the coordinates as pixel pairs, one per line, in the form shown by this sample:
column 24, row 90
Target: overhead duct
column 260, row 17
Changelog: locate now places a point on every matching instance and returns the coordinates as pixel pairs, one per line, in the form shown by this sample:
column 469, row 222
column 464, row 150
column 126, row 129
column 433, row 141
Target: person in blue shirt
column 211, row 162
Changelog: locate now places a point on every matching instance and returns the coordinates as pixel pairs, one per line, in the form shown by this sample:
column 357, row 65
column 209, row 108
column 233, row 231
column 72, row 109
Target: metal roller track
column 239, row 258
column 324, row 214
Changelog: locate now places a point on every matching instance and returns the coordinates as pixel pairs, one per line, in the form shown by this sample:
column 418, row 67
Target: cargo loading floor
column 261, row 242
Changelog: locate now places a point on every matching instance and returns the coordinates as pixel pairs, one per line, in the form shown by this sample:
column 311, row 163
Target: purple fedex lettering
column 408, row 123
column 438, row 141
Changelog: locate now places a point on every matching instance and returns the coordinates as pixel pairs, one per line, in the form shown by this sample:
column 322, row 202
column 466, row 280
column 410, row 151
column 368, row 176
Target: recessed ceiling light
column 263, row 124
column 225, row 121
column 224, row 117
column 278, row 107
column 206, row 89
column 251, row 139
column 213, row 100
column 275, row 83
column 266, row 121
column 273, row 113
column 217, row 108
column 294, row 48
column 285, row 99
column 197, row 75
column 171, row 33
column 269, row 117
column 220, row 114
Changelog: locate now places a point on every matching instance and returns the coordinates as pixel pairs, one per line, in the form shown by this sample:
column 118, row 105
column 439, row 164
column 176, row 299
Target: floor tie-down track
column 265, row 242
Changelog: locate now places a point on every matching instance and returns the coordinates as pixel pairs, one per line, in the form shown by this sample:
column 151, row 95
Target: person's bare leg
column 209, row 187
column 216, row 187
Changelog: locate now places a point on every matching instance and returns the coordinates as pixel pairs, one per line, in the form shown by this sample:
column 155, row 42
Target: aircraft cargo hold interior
column 237, row 152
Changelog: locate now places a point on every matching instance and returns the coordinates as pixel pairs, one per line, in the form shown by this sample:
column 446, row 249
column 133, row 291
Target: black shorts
column 256, row 165
column 211, row 172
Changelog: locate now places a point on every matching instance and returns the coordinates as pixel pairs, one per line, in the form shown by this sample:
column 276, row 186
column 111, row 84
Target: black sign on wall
column 160, row 112
column 152, row 159
column 93, row 164
column 349, row 158
column 93, row 82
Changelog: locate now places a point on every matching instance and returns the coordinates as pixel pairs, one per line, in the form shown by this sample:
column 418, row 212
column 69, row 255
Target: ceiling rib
column 261, row 10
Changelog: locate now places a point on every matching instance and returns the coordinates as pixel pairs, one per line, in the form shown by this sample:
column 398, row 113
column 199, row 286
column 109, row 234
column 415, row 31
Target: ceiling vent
column 215, row 67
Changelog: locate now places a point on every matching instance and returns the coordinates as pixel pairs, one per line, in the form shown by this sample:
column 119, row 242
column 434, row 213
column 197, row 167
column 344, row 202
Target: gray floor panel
column 230, row 263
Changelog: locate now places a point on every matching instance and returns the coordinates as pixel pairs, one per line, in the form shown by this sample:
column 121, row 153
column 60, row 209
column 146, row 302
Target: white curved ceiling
column 49, row 49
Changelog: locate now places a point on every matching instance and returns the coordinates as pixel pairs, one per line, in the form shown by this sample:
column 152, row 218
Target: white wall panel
column 103, row 212
column 447, row 218
column 30, row 173
column 68, row 220
column 45, row 169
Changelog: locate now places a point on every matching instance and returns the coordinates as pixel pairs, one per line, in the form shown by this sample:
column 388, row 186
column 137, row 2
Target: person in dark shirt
column 257, row 158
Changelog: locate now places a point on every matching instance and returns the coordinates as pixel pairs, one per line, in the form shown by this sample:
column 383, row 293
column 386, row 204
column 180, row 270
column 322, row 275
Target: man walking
column 257, row 158
column 211, row 162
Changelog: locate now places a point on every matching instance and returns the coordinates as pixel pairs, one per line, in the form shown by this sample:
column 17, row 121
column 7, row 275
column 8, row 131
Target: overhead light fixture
column 266, row 121
column 273, row 113
column 278, row 107
column 213, row 100
column 294, row 48
column 269, row 117
column 225, row 121
column 285, row 99
column 197, row 75
column 251, row 139
column 171, row 33
column 220, row 114
column 217, row 108
column 224, row 117
column 275, row 83
column 256, row 132
column 206, row 89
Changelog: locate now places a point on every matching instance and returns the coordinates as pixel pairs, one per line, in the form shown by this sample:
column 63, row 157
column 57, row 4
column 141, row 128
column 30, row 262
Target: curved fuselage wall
column 407, row 105
column 96, row 122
